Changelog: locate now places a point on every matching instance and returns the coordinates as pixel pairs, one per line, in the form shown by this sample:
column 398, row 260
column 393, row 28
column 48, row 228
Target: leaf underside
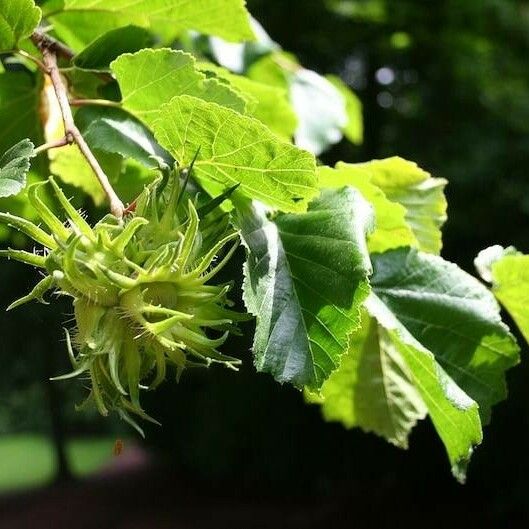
column 14, row 167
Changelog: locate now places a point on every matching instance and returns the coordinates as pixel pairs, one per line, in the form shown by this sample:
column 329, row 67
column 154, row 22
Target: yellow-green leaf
column 18, row 19
column 236, row 149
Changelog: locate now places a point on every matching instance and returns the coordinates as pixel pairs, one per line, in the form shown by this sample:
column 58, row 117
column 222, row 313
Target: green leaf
column 431, row 342
column 83, row 84
column 19, row 104
column 392, row 229
column 320, row 109
column 373, row 387
column 267, row 70
column 18, row 19
column 78, row 29
column 150, row 78
column 236, row 149
column 132, row 180
column 222, row 94
column 305, row 280
column 452, row 315
column 268, row 104
column 14, row 167
column 115, row 131
column 236, row 57
column 508, row 271
column 225, row 18
column 71, row 167
column 354, row 130
column 100, row 53
column 422, row 196
column 455, row 416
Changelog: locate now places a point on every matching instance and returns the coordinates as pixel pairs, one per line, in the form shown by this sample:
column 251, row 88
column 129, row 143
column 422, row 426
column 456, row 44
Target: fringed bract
column 140, row 289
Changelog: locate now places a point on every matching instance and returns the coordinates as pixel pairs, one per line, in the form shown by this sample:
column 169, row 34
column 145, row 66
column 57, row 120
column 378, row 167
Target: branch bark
column 42, row 40
column 53, row 144
column 50, row 48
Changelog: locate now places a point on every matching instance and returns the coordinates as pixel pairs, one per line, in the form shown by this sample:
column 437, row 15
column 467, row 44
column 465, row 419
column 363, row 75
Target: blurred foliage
column 445, row 84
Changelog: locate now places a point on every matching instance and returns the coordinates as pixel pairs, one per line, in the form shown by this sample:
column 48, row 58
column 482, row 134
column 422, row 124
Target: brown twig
column 50, row 48
column 43, row 40
column 67, row 140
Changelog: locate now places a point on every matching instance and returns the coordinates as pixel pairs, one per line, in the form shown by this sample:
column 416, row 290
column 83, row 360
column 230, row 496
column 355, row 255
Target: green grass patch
column 28, row 461
column 25, row 461
column 88, row 455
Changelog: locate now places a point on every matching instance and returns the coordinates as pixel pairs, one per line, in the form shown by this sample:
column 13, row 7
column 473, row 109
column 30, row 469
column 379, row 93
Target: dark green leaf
column 100, row 53
column 373, row 388
column 19, row 109
column 83, row 84
column 422, row 385
column 432, row 342
column 305, row 280
column 116, row 131
column 454, row 415
column 452, row 315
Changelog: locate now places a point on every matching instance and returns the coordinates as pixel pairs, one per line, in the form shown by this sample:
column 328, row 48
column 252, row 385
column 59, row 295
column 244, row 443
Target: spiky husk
column 140, row 289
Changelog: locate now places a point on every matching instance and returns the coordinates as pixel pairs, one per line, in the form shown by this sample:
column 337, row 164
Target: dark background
column 241, row 451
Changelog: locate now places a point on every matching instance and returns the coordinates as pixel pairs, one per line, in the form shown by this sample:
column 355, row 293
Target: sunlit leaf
column 72, row 168
column 236, row 149
column 18, row 19
column 423, row 197
column 225, row 18
column 410, row 205
column 391, row 228
column 320, row 109
column 269, row 104
column 354, row 130
column 150, row 78
column 508, row 271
